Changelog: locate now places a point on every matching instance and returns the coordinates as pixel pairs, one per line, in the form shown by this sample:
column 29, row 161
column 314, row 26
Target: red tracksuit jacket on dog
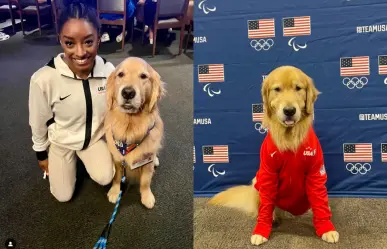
column 294, row 182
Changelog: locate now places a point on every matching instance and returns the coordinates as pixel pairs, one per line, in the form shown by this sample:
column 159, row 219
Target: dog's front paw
column 113, row 194
column 257, row 239
column 148, row 199
column 331, row 237
column 157, row 162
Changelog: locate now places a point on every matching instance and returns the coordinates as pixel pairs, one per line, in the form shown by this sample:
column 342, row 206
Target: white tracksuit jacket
column 66, row 110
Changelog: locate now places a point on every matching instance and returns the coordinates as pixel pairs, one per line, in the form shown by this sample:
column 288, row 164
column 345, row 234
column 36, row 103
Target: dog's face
column 289, row 95
column 134, row 86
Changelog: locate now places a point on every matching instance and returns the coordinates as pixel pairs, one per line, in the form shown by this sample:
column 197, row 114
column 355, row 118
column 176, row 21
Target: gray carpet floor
column 360, row 222
column 34, row 219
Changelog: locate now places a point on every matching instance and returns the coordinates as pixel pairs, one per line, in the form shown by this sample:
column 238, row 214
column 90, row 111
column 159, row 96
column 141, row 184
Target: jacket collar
column 97, row 72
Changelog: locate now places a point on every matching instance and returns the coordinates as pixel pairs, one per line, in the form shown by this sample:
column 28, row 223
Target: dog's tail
column 244, row 198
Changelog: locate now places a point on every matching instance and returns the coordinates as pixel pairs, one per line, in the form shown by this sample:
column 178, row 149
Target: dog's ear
column 311, row 95
column 265, row 96
column 110, row 86
column 158, row 89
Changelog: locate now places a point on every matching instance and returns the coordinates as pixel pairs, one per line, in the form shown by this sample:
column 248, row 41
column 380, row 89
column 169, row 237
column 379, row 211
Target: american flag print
column 355, row 66
column 194, row 155
column 296, row 26
column 262, row 28
column 357, row 152
column 382, row 64
column 211, row 73
column 384, row 152
column 215, row 154
column 123, row 147
column 257, row 111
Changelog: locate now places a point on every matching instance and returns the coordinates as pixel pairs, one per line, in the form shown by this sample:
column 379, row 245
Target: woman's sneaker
column 3, row 36
column 119, row 37
column 105, row 37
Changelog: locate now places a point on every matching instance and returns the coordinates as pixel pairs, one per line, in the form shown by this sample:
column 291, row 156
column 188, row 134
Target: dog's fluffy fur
column 284, row 86
column 129, row 120
column 296, row 89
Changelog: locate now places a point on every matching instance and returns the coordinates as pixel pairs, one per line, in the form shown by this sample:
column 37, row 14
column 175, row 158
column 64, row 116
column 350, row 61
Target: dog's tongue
column 289, row 122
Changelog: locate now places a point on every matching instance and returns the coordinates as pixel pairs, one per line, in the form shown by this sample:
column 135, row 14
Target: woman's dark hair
column 76, row 9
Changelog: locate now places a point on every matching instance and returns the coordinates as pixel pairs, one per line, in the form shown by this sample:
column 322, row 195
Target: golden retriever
column 133, row 126
column 288, row 101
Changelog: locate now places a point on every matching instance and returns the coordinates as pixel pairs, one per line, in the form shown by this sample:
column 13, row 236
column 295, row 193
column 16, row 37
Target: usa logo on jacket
column 101, row 89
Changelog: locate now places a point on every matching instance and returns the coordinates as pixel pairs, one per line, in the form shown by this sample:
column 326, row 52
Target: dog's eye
column 277, row 89
column 298, row 88
column 143, row 76
column 120, row 74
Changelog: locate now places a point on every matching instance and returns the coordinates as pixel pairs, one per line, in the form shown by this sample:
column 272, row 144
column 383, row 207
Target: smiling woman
column 79, row 36
column 67, row 105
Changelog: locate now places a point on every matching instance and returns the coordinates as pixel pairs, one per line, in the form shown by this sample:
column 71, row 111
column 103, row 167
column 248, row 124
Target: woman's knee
column 98, row 162
column 63, row 195
column 104, row 177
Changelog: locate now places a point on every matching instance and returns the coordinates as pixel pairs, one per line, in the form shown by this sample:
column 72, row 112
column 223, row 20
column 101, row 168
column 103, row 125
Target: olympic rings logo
column 358, row 168
column 262, row 44
column 359, row 83
column 260, row 128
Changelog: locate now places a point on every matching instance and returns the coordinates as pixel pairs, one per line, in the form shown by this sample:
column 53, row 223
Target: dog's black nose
column 128, row 93
column 289, row 111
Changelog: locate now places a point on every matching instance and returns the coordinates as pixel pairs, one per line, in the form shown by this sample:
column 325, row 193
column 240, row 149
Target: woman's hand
column 43, row 165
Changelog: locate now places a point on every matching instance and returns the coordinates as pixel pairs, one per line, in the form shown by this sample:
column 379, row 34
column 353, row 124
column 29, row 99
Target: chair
column 57, row 7
column 5, row 5
column 189, row 22
column 177, row 9
column 113, row 7
column 28, row 7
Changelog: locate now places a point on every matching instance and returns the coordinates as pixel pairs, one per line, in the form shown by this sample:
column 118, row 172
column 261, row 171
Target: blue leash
column 124, row 149
column 101, row 243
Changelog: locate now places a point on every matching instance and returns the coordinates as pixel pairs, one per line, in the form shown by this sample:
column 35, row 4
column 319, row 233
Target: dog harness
column 124, row 148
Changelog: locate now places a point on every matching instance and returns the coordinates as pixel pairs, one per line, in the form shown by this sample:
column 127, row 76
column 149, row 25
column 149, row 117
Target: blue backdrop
column 341, row 44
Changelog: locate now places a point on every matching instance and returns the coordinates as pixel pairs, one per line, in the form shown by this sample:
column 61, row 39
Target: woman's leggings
column 62, row 168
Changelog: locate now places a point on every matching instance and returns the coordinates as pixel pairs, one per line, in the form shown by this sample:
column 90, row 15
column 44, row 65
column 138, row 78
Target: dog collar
column 125, row 148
